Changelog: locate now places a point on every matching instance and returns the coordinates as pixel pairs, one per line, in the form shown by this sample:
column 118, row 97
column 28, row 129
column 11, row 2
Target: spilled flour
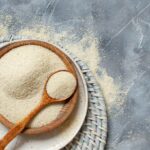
column 4, row 25
column 37, row 33
column 111, row 90
column 86, row 48
column 3, row 31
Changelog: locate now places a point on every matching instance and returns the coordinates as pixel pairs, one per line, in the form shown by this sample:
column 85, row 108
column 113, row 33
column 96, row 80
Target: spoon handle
column 19, row 127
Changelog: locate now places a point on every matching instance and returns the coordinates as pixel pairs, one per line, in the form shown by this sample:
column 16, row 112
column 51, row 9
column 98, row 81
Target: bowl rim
column 69, row 106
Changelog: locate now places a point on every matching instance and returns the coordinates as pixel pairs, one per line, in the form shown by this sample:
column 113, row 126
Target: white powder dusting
column 111, row 90
column 4, row 24
column 61, row 85
column 3, row 31
column 23, row 73
column 37, row 33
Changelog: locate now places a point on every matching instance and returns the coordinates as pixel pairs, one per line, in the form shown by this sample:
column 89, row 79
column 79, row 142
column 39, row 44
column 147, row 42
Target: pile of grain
column 23, row 73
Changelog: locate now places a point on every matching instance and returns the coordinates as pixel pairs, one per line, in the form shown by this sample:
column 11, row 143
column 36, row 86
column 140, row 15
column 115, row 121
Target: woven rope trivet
column 92, row 135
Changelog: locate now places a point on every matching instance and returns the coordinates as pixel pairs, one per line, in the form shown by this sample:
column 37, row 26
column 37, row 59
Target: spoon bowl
column 62, row 95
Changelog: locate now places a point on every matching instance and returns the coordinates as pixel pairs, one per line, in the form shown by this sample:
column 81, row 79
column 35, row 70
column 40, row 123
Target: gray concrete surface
column 123, row 26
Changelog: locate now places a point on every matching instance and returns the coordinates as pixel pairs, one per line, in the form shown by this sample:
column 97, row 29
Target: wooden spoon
column 46, row 99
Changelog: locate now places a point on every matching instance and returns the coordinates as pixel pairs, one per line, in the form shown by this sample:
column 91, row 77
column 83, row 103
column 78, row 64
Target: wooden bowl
column 69, row 105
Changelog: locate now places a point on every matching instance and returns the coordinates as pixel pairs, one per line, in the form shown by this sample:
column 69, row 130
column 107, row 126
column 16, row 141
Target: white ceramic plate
column 61, row 136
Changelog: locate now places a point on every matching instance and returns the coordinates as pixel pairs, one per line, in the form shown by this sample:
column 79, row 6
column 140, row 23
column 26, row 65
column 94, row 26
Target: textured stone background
column 123, row 26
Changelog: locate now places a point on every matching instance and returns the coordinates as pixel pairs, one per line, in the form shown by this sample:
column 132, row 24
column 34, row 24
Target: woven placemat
column 92, row 135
